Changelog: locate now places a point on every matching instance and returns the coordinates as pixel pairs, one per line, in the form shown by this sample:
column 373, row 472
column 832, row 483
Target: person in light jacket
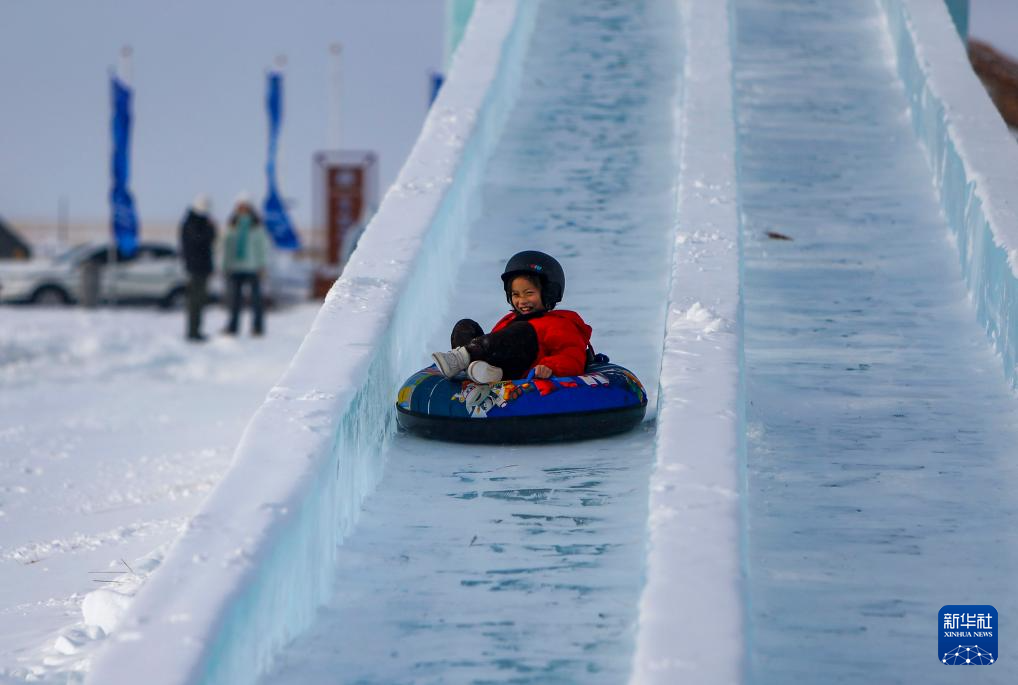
column 245, row 256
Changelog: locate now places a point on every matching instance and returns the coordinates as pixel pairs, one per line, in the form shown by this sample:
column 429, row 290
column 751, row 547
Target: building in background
column 346, row 195
column 999, row 74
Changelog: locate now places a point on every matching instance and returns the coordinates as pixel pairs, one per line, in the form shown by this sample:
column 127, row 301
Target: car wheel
column 51, row 296
column 176, row 299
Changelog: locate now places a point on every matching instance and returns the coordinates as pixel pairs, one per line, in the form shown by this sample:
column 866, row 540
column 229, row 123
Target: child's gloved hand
column 542, row 371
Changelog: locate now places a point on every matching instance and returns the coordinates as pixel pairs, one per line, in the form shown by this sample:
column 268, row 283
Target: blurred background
column 198, row 76
column 198, row 73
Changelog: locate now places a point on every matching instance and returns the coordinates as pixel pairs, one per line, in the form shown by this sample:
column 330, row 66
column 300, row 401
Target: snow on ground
column 112, row 431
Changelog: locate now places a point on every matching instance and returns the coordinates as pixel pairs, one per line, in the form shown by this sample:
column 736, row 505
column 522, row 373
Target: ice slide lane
column 881, row 470
column 501, row 564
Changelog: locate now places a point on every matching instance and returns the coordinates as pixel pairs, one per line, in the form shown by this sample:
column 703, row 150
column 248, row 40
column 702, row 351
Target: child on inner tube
column 534, row 335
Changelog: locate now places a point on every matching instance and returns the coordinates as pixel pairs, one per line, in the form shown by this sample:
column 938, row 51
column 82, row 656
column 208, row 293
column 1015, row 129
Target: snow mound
column 67, row 657
column 104, row 608
column 703, row 318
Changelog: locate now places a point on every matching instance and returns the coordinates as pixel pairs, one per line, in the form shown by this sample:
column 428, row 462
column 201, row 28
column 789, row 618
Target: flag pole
column 63, row 205
column 335, row 96
column 125, row 65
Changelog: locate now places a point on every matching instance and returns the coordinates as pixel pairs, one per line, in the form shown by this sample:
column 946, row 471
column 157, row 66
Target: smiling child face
column 526, row 295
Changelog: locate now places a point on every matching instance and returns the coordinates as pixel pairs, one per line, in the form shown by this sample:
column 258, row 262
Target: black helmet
column 545, row 267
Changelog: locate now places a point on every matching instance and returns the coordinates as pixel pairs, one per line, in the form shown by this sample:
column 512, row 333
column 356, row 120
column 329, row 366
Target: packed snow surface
column 881, row 430
column 499, row 564
column 112, row 431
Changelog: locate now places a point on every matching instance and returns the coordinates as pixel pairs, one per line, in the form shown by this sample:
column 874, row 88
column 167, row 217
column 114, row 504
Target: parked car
column 154, row 273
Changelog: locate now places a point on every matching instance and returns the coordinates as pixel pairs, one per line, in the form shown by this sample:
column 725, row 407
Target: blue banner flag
column 436, row 85
column 124, row 220
column 276, row 220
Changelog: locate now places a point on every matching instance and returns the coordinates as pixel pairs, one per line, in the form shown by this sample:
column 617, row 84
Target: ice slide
column 880, row 426
column 828, row 461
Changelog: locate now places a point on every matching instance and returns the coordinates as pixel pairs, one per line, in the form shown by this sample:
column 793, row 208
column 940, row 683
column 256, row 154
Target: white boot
column 483, row 372
column 452, row 362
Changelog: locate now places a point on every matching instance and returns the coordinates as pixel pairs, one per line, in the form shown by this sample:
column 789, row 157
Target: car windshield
column 99, row 254
column 73, row 254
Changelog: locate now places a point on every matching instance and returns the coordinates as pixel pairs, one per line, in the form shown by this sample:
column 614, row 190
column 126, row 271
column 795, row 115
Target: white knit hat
column 202, row 204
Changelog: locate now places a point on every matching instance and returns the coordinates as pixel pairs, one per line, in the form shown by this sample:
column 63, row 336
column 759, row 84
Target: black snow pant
column 237, row 282
column 197, row 293
column 513, row 349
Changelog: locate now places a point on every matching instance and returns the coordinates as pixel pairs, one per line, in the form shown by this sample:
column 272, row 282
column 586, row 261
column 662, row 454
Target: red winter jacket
column 562, row 338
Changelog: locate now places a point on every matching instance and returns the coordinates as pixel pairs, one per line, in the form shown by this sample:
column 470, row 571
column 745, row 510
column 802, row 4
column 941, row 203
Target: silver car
column 154, row 273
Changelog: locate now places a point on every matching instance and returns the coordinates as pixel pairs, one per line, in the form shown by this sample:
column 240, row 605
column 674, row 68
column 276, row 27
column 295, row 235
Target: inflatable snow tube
column 605, row 400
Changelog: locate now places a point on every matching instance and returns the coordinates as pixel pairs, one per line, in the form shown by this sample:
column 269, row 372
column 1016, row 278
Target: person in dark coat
column 197, row 236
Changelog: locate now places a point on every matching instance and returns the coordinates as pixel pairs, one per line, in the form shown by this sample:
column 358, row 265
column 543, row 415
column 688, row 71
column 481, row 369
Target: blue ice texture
column 866, row 136
column 986, row 266
column 959, row 10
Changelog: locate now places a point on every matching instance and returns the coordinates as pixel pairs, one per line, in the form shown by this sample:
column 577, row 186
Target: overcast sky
column 199, row 77
column 995, row 21
column 199, row 71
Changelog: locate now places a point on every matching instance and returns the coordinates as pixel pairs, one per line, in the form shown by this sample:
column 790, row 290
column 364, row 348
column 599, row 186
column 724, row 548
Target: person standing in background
column 197, row 235
column 245, row 255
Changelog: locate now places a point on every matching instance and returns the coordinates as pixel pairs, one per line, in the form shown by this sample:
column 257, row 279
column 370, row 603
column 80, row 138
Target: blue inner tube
column 605, row 400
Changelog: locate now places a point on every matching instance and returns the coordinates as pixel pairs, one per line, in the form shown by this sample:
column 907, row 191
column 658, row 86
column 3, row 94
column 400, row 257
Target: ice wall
column 959, row 10
column 973, row 158
column 691, row 615
column 457, row 16
column 259, row 558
